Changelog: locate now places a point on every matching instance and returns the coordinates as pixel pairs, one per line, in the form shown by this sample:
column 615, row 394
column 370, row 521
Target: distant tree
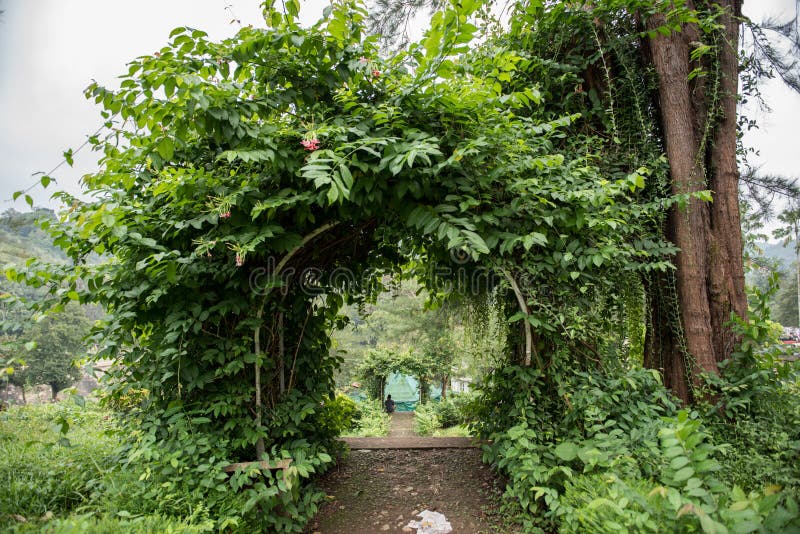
column 790, row 232
column 10, row 364
column 784, row 304
column 59, row 341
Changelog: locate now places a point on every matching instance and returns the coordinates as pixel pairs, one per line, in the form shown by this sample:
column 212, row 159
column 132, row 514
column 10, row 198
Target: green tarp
column 404, row 390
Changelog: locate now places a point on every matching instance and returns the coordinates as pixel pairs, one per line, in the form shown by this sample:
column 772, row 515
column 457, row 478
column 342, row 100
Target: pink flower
column 376, row 74
column 310, row 144
column 225, row 215
column 239, row 260
column 363, row 60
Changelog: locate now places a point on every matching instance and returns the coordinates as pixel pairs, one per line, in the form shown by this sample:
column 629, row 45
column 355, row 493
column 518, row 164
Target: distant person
column 389, row 404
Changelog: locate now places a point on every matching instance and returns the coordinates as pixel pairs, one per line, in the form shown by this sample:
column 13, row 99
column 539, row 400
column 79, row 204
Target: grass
column 52, row 458
column 59, row 474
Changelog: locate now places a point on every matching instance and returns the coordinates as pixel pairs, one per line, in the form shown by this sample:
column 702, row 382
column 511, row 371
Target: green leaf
column 166, row 148
column 683, row 474
column 170, row 271
column 333, row 194
column 708, row 525
column 679, row 462
column 567, row 451
column 78, row 400
column 347, row 178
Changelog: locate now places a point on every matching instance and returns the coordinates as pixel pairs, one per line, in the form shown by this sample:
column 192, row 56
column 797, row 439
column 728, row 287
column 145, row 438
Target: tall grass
column 53, row 458
column 59, row 473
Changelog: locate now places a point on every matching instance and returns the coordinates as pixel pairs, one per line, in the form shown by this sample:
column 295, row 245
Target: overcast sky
column 50, row 50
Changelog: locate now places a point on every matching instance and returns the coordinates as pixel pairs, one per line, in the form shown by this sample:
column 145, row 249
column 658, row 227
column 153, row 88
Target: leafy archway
column 379, row 365
column 251, row 187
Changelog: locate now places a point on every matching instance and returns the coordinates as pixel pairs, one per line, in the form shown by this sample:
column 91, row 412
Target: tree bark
column 710, row 271
column 726, row 266
column 690, row 226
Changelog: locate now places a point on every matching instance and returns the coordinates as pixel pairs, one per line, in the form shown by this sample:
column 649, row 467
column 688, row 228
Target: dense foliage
column 610, row 451
column 370, row 420
column 252, row 187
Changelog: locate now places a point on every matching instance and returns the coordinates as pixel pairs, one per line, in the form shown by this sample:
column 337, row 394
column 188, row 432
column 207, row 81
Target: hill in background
column 778, row 251
column 21, row 238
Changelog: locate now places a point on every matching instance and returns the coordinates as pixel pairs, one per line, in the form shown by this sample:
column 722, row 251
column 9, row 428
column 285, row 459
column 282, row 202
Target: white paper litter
column 431, row 523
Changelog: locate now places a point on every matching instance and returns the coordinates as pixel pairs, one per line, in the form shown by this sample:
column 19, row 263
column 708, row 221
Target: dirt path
column 375, row 491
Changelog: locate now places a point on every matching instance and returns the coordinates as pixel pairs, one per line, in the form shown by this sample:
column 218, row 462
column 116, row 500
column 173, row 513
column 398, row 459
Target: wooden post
column 523, row 306
column 281, row 353
column 260, row 448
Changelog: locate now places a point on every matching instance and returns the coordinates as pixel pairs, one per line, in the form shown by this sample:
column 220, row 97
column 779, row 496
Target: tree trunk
column 710, row 272
column 690, row 226
column 726, row 264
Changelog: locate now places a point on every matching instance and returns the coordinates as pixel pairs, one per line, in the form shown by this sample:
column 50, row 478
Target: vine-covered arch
column 241, row 178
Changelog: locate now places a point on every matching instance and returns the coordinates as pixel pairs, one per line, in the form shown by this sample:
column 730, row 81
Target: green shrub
column 338, row 415
column 425, row 419
column 447, row 413
column 610, row 453
column 755, row 411
column 180, row 469
column 370, row 420
column 59, row 459
column 463, row 403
